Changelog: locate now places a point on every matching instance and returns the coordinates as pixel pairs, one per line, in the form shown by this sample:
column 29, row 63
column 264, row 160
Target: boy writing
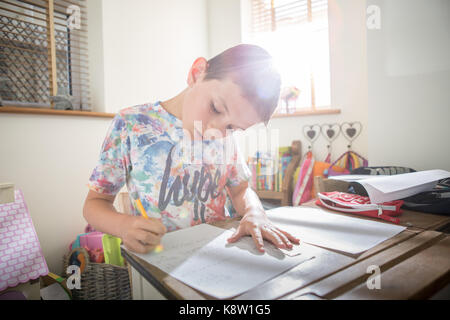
column 233, row 91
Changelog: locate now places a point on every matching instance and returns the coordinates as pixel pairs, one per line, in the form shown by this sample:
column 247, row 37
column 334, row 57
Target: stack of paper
column 387, row 188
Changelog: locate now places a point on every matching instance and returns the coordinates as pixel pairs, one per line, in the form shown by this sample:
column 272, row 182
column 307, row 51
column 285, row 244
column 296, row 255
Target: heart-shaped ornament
column 311, row 132
column 351, row 130
column 330, row 131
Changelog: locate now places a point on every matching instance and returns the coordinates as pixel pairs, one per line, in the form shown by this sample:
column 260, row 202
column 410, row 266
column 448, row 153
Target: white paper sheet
column 400, row 186
column 383, row 188
column 354, row 177
column 200, row 257
column 330, row 230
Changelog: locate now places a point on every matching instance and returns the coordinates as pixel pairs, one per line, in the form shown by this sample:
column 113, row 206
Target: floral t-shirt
column 179, row 180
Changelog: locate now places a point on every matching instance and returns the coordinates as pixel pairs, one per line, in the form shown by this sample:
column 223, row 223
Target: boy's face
column 213, row 108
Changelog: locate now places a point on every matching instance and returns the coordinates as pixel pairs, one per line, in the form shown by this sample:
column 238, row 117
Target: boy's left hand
column 256, row 224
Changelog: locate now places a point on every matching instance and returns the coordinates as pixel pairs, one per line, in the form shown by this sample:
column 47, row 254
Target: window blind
column 271, row 15
column 44, row 52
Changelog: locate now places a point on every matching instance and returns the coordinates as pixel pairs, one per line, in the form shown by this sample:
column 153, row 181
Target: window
column 43, row 53
column 295, row 32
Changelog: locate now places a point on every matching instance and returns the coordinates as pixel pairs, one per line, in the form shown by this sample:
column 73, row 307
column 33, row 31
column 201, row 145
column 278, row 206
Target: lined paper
column 200, row 257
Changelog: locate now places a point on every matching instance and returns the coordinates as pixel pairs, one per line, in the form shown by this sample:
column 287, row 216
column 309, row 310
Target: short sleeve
column 239, row 172
column 110, row 174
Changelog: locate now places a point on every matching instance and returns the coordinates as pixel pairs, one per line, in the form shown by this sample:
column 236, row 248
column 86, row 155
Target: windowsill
column 309, row 112
column 22, row 110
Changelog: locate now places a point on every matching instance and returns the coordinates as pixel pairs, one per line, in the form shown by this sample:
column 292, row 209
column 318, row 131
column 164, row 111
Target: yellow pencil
column 141, row 208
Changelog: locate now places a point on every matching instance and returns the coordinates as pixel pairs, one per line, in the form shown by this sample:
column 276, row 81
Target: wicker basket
column 101, row 281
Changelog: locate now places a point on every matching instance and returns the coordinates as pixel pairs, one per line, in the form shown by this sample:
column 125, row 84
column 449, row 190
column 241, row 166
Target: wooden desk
column 415, row 264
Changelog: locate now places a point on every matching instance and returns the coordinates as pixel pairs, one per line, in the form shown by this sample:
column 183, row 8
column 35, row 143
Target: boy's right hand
column 141, row 235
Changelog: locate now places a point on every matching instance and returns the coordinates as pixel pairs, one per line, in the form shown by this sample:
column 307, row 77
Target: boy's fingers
column 274, row 238
column 289, row 236
column 236, row 235
column 257, row 239
column 147, row 237
column 283, row 237
column 138, row 247
column 148, row 247
column 153, row 225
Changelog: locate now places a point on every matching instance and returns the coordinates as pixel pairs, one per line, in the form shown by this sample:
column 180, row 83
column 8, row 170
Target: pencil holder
column 99, row 281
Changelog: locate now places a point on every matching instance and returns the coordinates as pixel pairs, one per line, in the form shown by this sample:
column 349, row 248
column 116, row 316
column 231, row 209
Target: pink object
column 95, row 255
column 89, row 228
column 92, row 240
column 21, row 257
column 302, row 191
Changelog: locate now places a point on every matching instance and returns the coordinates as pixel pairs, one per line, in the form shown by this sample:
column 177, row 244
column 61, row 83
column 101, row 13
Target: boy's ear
column 197, row 71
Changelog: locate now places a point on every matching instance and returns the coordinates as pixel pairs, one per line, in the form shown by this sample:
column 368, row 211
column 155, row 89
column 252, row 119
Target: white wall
column 409, row 84
column 149, row 46
column 50, row 158
column 224, row 25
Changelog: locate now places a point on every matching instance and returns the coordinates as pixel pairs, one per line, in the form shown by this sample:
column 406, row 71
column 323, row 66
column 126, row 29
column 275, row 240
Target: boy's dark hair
column 250, row 67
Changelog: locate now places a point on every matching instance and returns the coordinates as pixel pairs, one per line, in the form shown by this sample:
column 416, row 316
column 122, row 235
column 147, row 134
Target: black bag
column 386, row 170
column 434, row 201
